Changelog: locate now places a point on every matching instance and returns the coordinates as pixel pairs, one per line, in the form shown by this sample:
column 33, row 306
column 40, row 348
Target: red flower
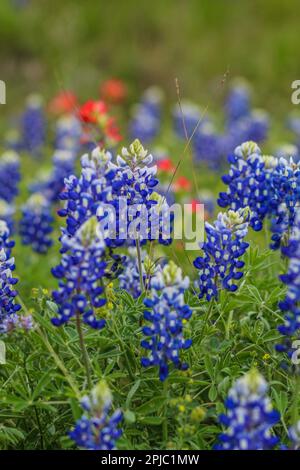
column 91, row 111
column 112, row 130
column 195, row 205
column 113, row 90
column 165, row 165
column 182, row 184
column 64, row 102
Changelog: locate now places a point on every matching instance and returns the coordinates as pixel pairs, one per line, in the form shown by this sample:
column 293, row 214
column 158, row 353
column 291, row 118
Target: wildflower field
column 115, row 331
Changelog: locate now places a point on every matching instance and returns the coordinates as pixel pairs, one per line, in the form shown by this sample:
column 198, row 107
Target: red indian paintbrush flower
column 113, row 90
column 63, row 103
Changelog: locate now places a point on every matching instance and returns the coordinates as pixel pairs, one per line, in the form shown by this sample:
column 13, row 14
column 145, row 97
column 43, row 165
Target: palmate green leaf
column 10, row 434
column 42, row 384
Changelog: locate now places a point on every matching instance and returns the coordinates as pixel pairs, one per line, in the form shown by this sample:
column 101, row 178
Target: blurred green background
column 49, row 44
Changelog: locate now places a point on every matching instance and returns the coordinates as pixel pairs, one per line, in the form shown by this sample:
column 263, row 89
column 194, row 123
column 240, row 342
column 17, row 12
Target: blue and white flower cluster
column 9, row 185
column 33, row 125
column 290, row 330
column 250, row 416
column 80, row 273
column 146, row 121
column 67, row 134
column 270, row 187
column 84, row 194
column 221, row 264
column 36, row 223
column 242, row 123
column 52, row 184
column 96, row 429
column 134, row 182
column 9, row 176
column 237, row 105
column 167, row 313
column 37, row 219
column 9, row 319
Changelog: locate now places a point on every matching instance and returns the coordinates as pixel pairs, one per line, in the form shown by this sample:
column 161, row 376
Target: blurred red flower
column 182, row 184
column 112, row 130
column 194, row 205
column 91, row 111
column 64, row 102
column 165, row 165
column 113, row 90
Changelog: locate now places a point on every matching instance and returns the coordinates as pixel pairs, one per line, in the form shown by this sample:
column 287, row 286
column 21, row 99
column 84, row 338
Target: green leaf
column 151, row 420
column 152, row 405
column 43, row 382
column 129, row 417
column 131, row 393
column 213, row 393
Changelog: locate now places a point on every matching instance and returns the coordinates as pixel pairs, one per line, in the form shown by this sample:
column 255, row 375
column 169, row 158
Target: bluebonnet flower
column 67, row 134
column 80, row 273
column 146, row 119
column 294, row 435
column 143, row 124
column 267, row 185
column 293, row 123
column 287, row 151
column 290, row 330
column 85, row 194
column 33, row 126
column 12, row 140
column 152, row 100
column 286, row 189
column 134, row 183
column 129, row 279
column 249, row 182
column 256, row 126
column 9, row 175
column 208, row 146
column 167, row 313
column 237, row 104
column 9, row 319
column 193, row 118
column 250, row 416
column 96, row 429
column 36, row 223
column 221, row 264
column 52, row 184
column 7, row 212
column 207, row 198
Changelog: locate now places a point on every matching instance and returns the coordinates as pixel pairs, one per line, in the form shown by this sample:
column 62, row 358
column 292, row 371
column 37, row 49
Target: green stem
column 206, row 318
column 294, row 407
column 59, row 363
column 165, row 421
column 123, row 347
column 138, row 251
column 84, row 352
